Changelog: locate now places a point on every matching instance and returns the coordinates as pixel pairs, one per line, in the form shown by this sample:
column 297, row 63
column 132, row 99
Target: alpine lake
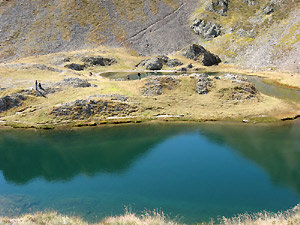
column 193, row 172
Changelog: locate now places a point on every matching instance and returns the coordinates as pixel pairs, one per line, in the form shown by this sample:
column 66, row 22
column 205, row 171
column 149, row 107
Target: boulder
column 268, row 9
column 218, row 6
column 74, row 82
column 156, row 85
column 174, row 63
column 203, row 84
column 206, row 29
column 10, row 101
column 99, row 60
column 154, row 63
column 249, row 2
column 198, row 52
column 75, row 66
column 210, row 59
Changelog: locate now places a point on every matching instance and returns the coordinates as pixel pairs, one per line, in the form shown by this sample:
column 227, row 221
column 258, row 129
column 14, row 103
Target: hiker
column 128, row 77
column 40, row 86
column 139, row 76
column 36, row 85
column 91, row 74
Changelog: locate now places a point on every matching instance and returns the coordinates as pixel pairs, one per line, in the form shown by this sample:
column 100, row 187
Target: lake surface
column 191, row 172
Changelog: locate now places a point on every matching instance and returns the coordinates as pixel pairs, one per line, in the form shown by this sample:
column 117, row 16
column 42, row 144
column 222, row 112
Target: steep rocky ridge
column 257, row 34
column 260, row 34
column 30, row 27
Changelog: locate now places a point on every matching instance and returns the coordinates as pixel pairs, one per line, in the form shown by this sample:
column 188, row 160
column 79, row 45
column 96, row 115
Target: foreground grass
column 289, row 217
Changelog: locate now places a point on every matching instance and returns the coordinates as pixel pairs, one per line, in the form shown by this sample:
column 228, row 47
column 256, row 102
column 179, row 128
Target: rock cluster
column 156, row 63
column 269, row 8
column 82, row 109
column 156, row 84
column 75, row 66
column 249, row 2
column 74, row 82
column 198, row 52
column 242, row 89
column 206, row 29
column 91, row 61
column 203, row 84
column 10, row 101
column 218, row 6
column 99, row 60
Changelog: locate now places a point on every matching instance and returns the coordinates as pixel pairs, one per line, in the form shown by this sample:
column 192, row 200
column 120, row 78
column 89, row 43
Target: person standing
column 36, row 85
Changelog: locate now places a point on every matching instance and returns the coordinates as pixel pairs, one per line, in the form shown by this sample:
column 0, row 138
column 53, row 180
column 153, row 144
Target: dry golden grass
column 290, row 217
column 182, row 100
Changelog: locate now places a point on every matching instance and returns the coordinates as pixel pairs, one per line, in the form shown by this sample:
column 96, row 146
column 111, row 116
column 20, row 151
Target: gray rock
column 210, row 59
column 85, row 108
column 249, row 2
column 154, row 63
column 206, row 29
column 99, row 60
column 75, row 66
column 182, row 69
column 269, row 8
column 193, row 51
column 156, row 84
column 196, row 51
column 74, row 82
column 203, row 84
column 190, row 66
column 218, row 6
column 174, row 63
column 10, row 101
column 233, row 77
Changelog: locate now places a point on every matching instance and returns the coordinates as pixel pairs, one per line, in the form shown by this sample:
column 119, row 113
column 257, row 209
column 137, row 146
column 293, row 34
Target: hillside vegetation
column 290, row 217
column 257, row 34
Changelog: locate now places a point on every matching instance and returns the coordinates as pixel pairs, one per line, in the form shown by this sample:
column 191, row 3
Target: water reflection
column 191, row 170
column 63, row 155
column 25, row 155
column 276, row 149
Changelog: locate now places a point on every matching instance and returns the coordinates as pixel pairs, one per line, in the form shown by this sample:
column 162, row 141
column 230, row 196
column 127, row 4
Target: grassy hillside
column 40, row 27
column 254, row 39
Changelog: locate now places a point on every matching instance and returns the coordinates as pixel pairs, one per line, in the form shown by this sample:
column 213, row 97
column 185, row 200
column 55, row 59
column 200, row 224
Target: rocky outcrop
column 174, row 63
column 98, row 60
column 154, row 63
column 157, row 63
column 75, row 66
column 156, row 85
column 85, row 108
column 11, row 101
column 241, row 89
column 269, row 8
column 218, row 6
column 74, row 82
column 249, row 2
column 198, row 52
column 206, row 29
column 203, row 84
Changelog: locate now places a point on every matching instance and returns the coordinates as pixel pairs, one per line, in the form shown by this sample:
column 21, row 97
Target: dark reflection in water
column 58, row 155
column 194, row 171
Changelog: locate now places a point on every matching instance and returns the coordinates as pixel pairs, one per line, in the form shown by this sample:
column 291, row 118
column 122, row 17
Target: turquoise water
column 192, row 172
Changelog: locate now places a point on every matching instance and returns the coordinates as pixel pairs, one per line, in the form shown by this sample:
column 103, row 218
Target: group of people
column 38, row 86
